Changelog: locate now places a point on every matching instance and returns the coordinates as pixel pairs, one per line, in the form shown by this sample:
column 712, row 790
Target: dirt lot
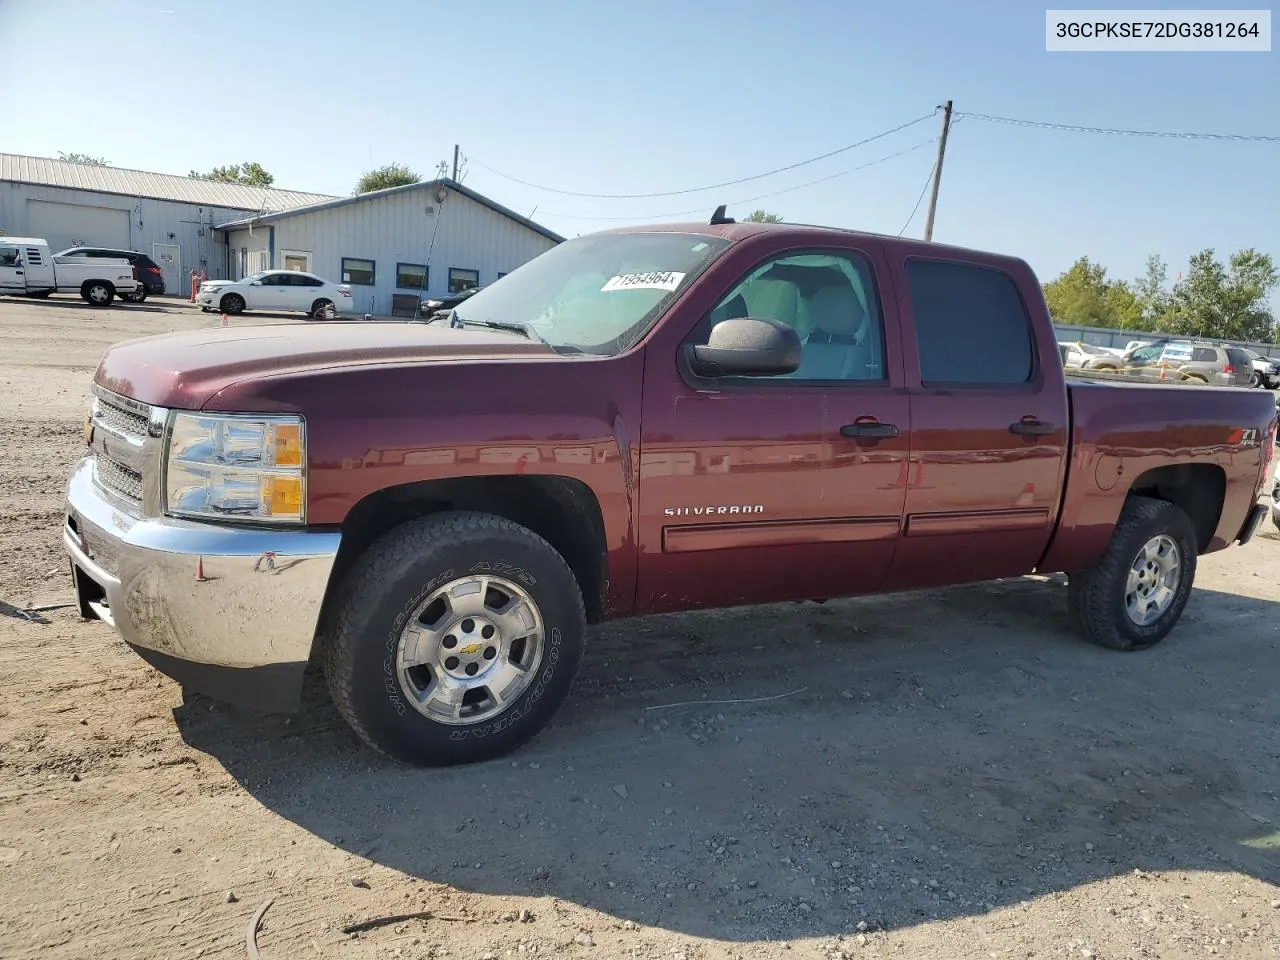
column 957, row 777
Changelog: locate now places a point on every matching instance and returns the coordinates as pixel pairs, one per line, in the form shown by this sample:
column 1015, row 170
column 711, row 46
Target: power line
column 711, row 186
column 1113, row 131
column 920, row 199
column 763, row 196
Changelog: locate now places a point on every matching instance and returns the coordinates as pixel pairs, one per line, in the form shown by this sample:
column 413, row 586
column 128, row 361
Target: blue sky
column 661, row 96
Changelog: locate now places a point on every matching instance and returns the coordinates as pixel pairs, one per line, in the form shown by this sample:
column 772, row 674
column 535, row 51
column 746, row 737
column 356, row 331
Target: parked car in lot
column 1194, row 361
column 27, row 268
column 1078, row 353
column 438, row 306
column 642, row 421
column 276, row 291
column 1266, row 370
column 145, row 270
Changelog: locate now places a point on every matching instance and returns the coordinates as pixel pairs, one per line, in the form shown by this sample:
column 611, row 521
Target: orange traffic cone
column 225, row 321
column 200, row 577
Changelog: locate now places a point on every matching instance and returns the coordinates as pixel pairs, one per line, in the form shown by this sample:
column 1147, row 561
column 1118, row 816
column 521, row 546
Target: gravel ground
column 958, row 776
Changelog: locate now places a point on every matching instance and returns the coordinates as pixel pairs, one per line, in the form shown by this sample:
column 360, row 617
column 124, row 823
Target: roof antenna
column 719, row 216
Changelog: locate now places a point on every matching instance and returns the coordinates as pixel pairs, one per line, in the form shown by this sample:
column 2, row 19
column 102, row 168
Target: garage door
column 77, row 225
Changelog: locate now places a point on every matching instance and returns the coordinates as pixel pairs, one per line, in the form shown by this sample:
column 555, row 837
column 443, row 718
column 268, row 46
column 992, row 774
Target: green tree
column 763, row 216
column 1225, row 301
column 1084, row 296
column 392, row 175
column 1153, row 298
column 82, row 158
column 250, row 174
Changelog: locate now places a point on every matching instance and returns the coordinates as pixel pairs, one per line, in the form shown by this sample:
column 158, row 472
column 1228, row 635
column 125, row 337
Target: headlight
column 228, row 466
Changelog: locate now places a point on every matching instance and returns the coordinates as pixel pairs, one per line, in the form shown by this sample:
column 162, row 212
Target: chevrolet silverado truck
column 635, row 422
column 28, row 269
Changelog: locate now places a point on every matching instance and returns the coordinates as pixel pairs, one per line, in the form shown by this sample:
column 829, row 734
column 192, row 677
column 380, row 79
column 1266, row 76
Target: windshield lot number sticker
column 666, row 280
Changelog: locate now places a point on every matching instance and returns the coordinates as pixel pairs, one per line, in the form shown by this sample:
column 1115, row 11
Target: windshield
column 254, row 276
column 1090, row 349
column 596, row 294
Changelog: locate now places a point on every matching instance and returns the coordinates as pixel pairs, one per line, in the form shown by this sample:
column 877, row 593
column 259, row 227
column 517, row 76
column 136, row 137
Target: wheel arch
column 563, row 511
column 1199, row 489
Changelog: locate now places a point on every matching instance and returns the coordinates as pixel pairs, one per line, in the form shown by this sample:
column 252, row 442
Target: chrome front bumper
column 226, row 611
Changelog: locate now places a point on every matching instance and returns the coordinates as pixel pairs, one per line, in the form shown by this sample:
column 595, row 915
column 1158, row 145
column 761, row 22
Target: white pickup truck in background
column 27, row 268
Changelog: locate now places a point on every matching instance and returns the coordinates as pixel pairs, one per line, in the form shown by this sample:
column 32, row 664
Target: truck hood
column 184, row 370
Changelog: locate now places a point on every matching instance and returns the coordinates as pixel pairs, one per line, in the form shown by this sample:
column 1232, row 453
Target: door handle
column 1031, row 428
column 869, row 430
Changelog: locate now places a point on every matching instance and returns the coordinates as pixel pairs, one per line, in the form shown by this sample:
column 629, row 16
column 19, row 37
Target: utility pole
column 455, row 156
column 937, row 170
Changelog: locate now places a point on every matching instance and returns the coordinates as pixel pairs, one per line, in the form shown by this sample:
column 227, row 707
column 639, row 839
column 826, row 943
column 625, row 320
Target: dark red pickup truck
column 637, row 421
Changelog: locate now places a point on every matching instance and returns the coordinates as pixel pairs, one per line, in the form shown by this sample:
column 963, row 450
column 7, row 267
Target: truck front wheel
column 454, row 638
column 1135, row 594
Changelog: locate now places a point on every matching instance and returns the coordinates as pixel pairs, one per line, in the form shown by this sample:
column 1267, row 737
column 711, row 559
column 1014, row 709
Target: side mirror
column 255, row 283
column 747, row 347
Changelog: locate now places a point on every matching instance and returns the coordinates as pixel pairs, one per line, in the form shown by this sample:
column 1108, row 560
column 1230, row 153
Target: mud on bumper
column 229, row 612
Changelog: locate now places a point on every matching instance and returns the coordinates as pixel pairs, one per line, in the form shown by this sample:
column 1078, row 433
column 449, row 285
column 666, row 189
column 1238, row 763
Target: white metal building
column 169, row 217
column 392, row 246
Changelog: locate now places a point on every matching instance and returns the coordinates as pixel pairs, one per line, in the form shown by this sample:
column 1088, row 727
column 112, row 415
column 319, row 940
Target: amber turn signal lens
column 282, row 497
column 288, row 445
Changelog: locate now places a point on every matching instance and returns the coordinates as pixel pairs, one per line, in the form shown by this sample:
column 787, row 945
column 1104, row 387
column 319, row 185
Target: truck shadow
column 949, row 753
column 71, row 302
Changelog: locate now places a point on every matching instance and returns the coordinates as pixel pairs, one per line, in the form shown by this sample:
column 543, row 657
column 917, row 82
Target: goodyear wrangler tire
column 454, row 638
column 1136, row 593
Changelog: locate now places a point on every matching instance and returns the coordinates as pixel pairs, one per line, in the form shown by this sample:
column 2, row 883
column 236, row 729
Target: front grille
column 119, row 479
column 122, row 421
column 125, row 423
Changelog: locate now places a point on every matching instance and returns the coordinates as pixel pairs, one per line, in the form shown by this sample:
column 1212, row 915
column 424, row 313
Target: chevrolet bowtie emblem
column 470, row 649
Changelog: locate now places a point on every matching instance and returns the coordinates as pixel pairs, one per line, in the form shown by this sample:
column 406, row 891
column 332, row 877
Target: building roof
column 424, row 185
column 140, row 183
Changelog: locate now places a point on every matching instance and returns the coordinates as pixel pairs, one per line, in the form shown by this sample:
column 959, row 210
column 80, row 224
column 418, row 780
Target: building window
column 460, row 280
column 501, row 274
column 357, row 271
column 411, row 276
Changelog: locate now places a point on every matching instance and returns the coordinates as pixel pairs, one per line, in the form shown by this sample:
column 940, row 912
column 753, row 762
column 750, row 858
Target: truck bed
column 1128, row 435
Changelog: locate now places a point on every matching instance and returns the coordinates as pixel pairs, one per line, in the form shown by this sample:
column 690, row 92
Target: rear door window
column 971, row 325
column 1204, row 355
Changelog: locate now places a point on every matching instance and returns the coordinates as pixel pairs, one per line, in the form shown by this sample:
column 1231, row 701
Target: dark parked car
column 145, row 270
column 437, row 307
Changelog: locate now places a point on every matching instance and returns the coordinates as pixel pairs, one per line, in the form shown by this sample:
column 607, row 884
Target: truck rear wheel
column 1136, row 593
column 98, row 293
column 454, row 638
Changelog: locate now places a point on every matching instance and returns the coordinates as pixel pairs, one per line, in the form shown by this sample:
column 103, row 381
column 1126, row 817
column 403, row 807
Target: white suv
column 276, row 291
